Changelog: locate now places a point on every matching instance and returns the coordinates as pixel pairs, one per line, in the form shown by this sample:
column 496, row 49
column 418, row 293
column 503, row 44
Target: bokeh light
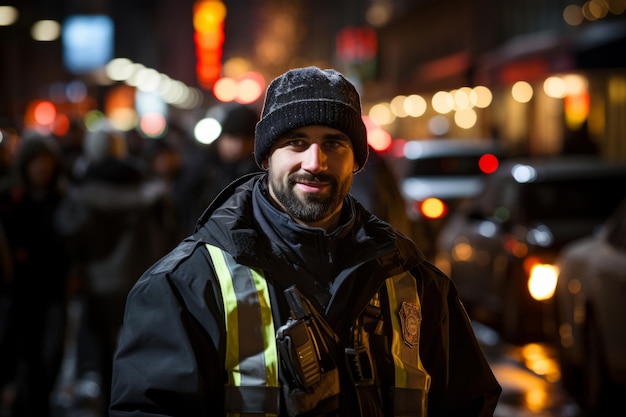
column 481, row 96
column 44, row 113
column 46, row 30
column 8, row 15
column 488, row 163
column 522, row 91
column 555, row 87
column 465, row 118
column 378, row 138
column 438, row 125
column 153, row 124
column 443, row 102
column 381, row 113
column 415, row 105
column 207, row 130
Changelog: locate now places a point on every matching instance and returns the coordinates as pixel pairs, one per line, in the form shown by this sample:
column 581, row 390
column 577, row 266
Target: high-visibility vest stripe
column 412, row 381
column 251, row 365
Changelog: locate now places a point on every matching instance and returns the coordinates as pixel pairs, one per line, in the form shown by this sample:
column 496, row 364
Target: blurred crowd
column 81, row 217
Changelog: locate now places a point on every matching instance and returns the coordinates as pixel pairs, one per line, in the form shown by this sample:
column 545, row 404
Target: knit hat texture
column 311, row 96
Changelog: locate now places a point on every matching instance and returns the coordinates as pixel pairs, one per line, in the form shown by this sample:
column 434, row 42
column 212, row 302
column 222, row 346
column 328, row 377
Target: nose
column 314, row 159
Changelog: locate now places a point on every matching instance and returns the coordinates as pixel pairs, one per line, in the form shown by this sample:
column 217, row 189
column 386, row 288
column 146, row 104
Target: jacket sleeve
column 462, row 382
column 166, row 361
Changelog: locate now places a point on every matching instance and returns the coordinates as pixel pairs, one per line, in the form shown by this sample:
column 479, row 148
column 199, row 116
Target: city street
column 529, row 376
column 503, row 127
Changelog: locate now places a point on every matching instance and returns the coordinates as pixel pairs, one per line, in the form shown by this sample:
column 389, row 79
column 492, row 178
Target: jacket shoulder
column 185, row 257
column 186, row 273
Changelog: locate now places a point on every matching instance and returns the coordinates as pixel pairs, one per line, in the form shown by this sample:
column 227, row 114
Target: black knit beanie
column 311, row 96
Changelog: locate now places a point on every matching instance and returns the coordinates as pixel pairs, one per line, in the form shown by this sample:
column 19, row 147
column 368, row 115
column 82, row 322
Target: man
column 292, row 299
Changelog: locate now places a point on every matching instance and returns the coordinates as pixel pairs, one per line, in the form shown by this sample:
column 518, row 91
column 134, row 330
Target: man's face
column 310, row 173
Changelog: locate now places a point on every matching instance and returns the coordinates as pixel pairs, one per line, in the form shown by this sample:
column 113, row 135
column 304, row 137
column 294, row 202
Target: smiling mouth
column 312, row 187
column 312, row 184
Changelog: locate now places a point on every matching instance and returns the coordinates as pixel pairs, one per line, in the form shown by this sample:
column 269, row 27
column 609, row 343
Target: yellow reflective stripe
column 269, row 337
column 253, row 386
column 409, row 371
column 231, row 318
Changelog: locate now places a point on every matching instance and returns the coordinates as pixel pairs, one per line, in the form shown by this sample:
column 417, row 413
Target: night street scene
column 497, row 138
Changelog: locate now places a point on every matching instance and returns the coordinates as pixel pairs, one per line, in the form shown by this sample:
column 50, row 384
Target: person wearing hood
column 292, row 299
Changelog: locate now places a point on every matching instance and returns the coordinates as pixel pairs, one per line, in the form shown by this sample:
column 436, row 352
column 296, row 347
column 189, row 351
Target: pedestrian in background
column 165, row 162
column 291, row 298
column 116, row 222
column 33, row 336
column 376, row 188
column 231, row 155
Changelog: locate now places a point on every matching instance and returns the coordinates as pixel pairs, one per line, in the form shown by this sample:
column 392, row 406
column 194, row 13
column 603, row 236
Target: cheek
column 282, row 162
column 344, row 167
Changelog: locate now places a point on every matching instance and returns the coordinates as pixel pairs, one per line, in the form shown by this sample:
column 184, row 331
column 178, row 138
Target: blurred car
column 436, row 175
column 500, row 247
column 590, row 301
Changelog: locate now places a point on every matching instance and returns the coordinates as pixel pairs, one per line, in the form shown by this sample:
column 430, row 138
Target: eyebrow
column 337, row 136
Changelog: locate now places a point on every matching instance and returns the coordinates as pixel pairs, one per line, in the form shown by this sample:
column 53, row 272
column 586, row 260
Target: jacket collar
column 243, row 221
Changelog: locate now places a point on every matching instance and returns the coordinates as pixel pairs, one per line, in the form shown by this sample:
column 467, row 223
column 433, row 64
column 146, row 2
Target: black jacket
column 169, row 362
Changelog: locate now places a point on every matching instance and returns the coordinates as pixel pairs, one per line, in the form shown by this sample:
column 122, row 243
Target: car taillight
column 433, row 208
column 488, row 163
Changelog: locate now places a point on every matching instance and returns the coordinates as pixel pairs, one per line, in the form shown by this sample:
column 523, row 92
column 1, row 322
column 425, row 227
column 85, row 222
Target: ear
column 355, row 167
column 265, row 164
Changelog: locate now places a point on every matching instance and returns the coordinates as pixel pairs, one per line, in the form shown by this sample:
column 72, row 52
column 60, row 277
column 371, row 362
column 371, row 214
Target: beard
column 310, row 207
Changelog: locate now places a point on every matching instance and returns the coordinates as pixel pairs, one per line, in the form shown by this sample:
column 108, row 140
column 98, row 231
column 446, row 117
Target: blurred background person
column 165, row 162
column 7, row 391
column 6, row 156
column 177, row 162
column 35, row 307
column 6, row 274
column 376, row 187
column 71, row 144
column 231, row 155
column 117, row 222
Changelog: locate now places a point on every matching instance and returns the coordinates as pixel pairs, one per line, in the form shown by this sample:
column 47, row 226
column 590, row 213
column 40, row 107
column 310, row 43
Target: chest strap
column 412, row 382
column 251, row 359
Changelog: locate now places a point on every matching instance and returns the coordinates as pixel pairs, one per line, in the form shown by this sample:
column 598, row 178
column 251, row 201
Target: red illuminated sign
column 208, row 23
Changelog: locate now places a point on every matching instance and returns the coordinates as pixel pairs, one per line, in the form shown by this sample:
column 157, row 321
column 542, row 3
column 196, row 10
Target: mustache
column 311, row 178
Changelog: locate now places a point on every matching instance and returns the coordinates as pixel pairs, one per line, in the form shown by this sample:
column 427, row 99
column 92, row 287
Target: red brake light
column 488, row 163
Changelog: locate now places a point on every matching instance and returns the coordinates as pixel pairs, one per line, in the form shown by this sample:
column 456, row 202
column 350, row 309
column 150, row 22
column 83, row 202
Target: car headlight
column 542, row 281
column 433, row 208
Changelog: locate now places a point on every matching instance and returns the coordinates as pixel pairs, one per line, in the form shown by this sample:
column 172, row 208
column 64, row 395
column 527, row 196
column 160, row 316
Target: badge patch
column 411, row 320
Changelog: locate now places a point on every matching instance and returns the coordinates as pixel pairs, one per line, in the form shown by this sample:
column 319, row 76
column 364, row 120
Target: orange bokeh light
column 44, row 113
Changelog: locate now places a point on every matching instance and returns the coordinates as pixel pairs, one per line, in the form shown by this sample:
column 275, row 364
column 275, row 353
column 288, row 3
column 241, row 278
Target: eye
column 336, row 144
column 296, row 142
column 290, row 139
